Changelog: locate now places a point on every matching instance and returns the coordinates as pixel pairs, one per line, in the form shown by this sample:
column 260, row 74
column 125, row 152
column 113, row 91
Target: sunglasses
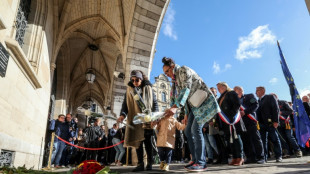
column 135, row 80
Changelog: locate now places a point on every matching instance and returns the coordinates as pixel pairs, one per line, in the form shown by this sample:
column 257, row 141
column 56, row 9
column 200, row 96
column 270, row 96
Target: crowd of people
column 201, row 127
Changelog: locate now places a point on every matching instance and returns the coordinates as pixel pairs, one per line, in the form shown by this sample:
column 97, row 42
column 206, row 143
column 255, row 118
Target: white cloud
column 217, row 69
column 248, row 45
column 273, row 81
column 168, row 23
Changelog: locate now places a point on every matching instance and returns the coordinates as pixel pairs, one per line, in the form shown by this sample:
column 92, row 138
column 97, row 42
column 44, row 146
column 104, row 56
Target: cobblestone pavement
column 288, row 166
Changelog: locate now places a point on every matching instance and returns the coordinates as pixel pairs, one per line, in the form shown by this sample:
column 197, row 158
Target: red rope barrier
column 86, row 148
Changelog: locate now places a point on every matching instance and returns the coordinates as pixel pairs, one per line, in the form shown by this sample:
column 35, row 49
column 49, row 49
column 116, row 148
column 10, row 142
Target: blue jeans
column 210, row 143
column 57, row 153
column 165, row 154
column 266, row 131
column 120, row 151
column 195, row 140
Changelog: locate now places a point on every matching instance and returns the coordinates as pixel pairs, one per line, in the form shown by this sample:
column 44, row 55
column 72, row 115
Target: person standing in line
column 252, row 141
column 232, row 122
column 268, row 118
column 120, row 151
column 285, row 129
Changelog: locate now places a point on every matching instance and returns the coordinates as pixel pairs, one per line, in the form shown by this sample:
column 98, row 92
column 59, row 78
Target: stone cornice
column 21, row 60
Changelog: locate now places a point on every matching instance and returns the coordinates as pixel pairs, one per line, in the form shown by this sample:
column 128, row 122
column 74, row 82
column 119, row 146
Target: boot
column 239, row 162
column 149, row 166
column 139, row 168
column 233, row 161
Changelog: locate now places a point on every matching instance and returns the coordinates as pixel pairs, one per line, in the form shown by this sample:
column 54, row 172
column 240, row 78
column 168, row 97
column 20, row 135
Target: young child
column 166, row 139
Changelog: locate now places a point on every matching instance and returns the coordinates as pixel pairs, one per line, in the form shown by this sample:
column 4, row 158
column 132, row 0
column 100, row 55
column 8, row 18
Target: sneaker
column 190, row 164
column 166, row 167
column 161, row 166
column 57, row 166
column 197, row 168
column 298, row 154
column 278, row 160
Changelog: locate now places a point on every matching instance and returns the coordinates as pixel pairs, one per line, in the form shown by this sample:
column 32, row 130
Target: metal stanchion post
column 51, row 151
column 127, row 156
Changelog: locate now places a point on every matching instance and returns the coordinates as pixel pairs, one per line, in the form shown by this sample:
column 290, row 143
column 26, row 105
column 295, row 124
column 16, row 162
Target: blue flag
column 301, row 119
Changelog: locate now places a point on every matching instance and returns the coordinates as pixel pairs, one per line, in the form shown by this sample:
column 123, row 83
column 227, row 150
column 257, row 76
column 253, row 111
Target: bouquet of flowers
column 145, row 118
column 88, row 167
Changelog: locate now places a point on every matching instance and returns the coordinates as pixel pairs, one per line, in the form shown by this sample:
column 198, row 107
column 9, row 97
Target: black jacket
column 307, row 108
column 251, row 104
column 124, row 110
column 268, row 109
column 229, row 107
column 285, row 109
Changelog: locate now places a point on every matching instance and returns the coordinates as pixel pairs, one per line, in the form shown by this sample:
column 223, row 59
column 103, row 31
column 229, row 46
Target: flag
column 301, row 119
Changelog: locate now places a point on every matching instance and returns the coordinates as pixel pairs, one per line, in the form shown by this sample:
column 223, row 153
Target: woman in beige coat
column 166, row 139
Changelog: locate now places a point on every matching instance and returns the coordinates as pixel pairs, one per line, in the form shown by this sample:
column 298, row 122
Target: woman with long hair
column 189, row 91
column 139, row 88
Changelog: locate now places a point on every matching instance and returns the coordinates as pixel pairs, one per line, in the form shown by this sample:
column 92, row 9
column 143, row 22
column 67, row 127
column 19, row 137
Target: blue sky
column 235, row 42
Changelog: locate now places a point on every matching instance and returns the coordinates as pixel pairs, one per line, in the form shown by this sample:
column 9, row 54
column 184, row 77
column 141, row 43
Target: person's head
column 68, row 117
column 290, row 103
column 260, row 91
column 239, row 91
column 76, row 120
column 222, row 87
column 275, row 96
column 136, row 77
column 168, row 66
column 102, row 127
column 81, row 131
column 305, row 99
column 214, row 91
column 61, row 118
column 115, row 126
column 97, row 122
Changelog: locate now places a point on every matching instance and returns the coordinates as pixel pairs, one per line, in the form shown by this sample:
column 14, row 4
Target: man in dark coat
column 285, row 128
column 305, row 102
column 252, row 142
column 268, row 118
column 230, row 104
column 94, row 137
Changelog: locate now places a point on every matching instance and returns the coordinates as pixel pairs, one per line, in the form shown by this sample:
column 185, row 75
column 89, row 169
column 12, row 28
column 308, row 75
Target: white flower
column 147, row 118
column 136, row 97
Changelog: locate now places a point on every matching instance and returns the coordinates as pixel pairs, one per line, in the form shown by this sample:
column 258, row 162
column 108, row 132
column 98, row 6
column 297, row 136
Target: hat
column 137, row 74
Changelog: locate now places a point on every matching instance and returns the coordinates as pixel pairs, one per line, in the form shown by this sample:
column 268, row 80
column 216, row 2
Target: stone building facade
column 51, row 45
column 162, row 90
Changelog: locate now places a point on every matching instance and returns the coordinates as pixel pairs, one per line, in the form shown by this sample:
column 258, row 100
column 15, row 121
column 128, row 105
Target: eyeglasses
column 135, row 80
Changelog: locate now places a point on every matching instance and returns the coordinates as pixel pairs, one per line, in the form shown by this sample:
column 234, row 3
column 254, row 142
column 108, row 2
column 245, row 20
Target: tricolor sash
column 225, row 119
column 287, row 121
column 252, row 117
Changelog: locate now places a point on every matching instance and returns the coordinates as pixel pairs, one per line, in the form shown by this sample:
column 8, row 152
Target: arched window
column 163, row 86
column 163, row 97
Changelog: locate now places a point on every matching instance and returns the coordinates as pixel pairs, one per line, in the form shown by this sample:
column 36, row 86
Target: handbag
column 198, row 98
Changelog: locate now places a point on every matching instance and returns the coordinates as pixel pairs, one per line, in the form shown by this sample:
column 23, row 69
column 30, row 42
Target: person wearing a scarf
column 230, row 104
column 139, row 98
column 185, row 82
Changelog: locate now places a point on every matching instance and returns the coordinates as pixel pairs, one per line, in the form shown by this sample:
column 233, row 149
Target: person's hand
column 99, row 138
column 294, row 129
column 70, row 139
column 204, row 129
column 242, row 113
column 275, row 125
column 153, row 123
column 74, row 138
column 280, row 113
column 120, row 119
column 185, row 119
